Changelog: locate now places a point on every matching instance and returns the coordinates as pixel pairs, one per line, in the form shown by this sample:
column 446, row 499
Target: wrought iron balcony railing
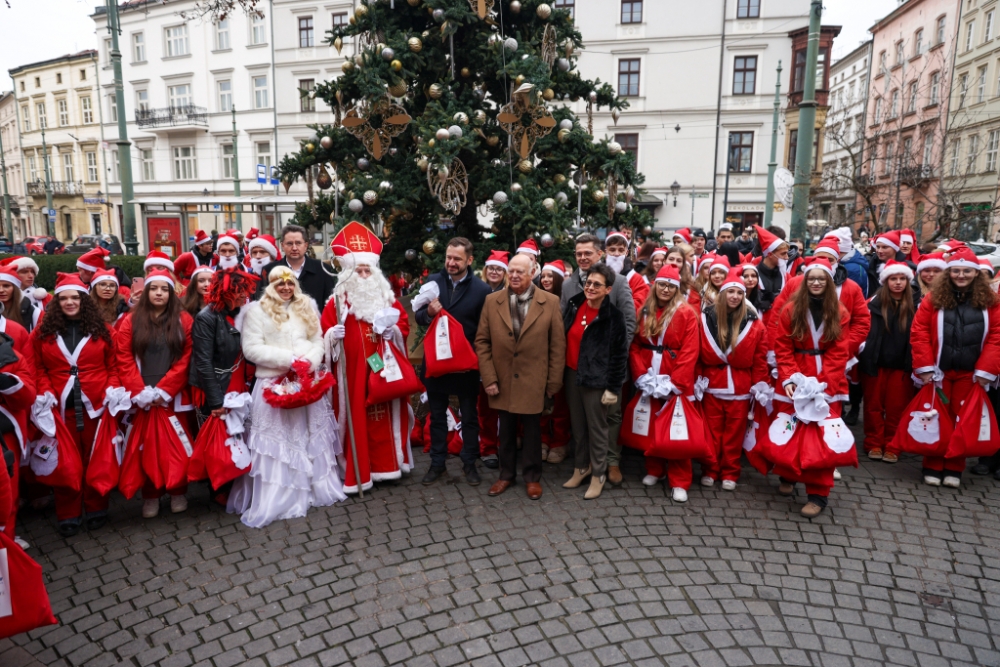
column 37, row 188
column 172, row 116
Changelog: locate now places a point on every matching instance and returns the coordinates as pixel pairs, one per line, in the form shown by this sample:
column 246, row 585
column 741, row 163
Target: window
column 821, row 70
column 340, row 18
column 115, row 167
column 899, row 53
column 890, row 150
column 91, row 167
column 142, row 100
column 849, row 132
column 22, row 85
column 748, row 9
column 58, row 77
column 631, row 11
column 260, row 96
column 991, row 150
column 628, row 77
column 981, row 85
column 40, row 112
column 973, row 154
column 907, row 150
column 874, row 155
column 179, row 96
column 988, row 33
column 258, row 35
column 629, row 144
column 32, row 168
column 894, row 104
column 568, row 5
column 107, row 57
column 63, row 107
column 177, row 41
column 928, row 149
column 911, row 107
column 305, row 32
column 225, row 95
column 88, row 111
column 740, row 151
column 138, row 47
column 940, row 30
column 113, row 108
column 935, row 87
column 878, row 110
column 963, row 89
column 953, row 159
column 184, row 164
column 146, row 157
column 67, row 163
column 970, row 30
column 227, row 160
column 307, row 102
column 26, row 118
column 918, row 43
column 222, row 35
column 745, row 75
column 263, row 150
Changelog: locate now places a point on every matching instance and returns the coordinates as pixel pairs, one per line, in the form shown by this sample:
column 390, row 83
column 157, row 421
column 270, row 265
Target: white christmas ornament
column 500, row 198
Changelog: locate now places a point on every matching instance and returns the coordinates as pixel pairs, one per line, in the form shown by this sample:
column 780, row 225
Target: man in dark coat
column 313, row 278
column 462, row 294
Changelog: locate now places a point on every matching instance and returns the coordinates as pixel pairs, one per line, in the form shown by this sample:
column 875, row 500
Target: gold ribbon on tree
column 382, row 120
column 525, row 121
column 482, row 7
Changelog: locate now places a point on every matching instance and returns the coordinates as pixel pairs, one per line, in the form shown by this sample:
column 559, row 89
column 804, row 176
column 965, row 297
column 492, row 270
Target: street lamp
column 675, row 189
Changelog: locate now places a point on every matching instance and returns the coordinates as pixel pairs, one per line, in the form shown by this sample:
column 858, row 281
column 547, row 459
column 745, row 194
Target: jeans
column 438, row 403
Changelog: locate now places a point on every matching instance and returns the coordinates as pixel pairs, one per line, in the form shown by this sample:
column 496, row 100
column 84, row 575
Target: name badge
column 375, row 363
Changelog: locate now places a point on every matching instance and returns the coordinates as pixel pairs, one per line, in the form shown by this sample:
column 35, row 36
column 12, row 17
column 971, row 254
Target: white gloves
column 387, row 334
column 609, row 398
column 339, row 332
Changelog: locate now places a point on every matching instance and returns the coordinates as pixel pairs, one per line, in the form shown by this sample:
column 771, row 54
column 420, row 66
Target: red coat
column 16, row 402
column 96, row 364
column 854, row 302
column 829, row 367
column 925, row 339
column 680, row 350
column 731, row 373
column 22, row 339
column 173, row 384
column 329, row 317
column 640, row 289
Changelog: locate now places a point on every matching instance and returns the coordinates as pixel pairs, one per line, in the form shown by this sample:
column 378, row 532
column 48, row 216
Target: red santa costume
column 93, row 261
column 187, row 262
column 17, row 394
column 662, row 366
column 730, row 373
column 944, row 342
column 353, row 323
column 556, row 430
column 267, row 243
column 77, row 370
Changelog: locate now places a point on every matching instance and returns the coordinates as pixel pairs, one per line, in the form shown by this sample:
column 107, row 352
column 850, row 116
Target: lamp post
column 6, row 195
column 772, row 166
column 236, row 174
column 50, row 223
column 675, row 189
column 124, row 145
column 807, row 127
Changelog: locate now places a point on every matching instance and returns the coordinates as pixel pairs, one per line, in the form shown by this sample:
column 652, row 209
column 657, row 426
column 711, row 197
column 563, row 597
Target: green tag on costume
column 375, row 363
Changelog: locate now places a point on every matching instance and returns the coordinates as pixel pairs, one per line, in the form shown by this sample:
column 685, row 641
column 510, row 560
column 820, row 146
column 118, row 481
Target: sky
column 34, row 30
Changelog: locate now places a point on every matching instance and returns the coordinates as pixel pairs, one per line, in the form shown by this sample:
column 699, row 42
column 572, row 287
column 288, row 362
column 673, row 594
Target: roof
column 852, row 56
column 69, row 57
column 902, row 8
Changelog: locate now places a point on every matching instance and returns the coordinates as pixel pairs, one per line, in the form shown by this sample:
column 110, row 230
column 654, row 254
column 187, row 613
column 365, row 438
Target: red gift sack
column 131, row 477
column 66, row 471
column 638, row 422
column 680, row 433
column 217, row 455
column 24, row 604
column 396, row 380
column 446, row 349
column 976, row 431
column 104, row 465
column 757, row 422
column 166, row 447
column 827, row 443
column 300, row 387
column 779, row 442
column 926, row 425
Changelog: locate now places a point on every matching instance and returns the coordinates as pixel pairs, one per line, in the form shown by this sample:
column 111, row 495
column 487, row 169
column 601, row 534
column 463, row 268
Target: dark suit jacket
column 313, row 280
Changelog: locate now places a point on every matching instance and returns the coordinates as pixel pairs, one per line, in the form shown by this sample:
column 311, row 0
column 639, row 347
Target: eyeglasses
column 817, row 281
column 594, row 283
column 494, row 269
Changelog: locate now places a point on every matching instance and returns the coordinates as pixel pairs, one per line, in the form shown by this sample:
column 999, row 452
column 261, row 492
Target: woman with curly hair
column 956, row 342
column 107, row 297
column 74, row 350
column 193, row 299
column 154, row 355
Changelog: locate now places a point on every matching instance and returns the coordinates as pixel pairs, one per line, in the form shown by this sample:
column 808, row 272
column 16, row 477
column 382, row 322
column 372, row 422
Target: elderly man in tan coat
column 522, row 352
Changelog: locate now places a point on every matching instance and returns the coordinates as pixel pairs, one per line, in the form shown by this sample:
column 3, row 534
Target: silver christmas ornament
column 561, row 197
column 510, row 44
column 363, row 163
column 516, row 187
column 326, row 142
column 455, row 131
column 549, row 203
column 371, row 197
column 563, row 64
column 388, row 54
column 621, row 207
column 442, row 134
column 411, row 255
column 356, row 206
column 438, row 15
column 385, row 185
column 614, row 147
column 547, row 240
column 592, row 96
column 566, row 124
column 515, row 7
column 500, row 198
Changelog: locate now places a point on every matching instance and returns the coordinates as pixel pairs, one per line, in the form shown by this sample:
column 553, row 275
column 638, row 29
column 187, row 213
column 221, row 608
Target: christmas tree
column 452, row 108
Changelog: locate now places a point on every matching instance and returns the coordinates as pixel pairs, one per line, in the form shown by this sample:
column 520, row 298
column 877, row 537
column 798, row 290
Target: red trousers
column 886, row 397
column 73, row 504
column 678, row 472
column 728, row 425
column 555, row 426
column 489, row 425
column 956, row 386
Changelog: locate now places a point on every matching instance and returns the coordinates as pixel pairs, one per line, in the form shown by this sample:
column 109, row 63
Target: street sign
column 274, row 175
column 52, row 215
column 262, row 174
column 699, row 195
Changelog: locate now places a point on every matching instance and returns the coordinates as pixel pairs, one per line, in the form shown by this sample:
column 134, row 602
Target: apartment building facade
column 11, row 142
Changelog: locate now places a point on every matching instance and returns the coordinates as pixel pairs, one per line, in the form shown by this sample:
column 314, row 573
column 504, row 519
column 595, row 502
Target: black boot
column 855, row 394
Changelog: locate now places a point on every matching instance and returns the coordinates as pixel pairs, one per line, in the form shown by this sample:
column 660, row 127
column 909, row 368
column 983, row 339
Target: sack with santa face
column 779, row 442
column 926, row 425
column 56, row 461
column 976, row 431
column 827, row 444
column 681, row 433
column 446, row 349
column 757, row 423
column 396, row 378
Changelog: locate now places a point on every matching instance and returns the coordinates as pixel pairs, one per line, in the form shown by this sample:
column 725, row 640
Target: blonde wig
column 301, row 305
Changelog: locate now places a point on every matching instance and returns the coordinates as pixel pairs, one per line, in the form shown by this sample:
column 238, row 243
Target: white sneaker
column 952, row 482
column 150, row 508
column 707, row 481
column 932, row 481
column 178, row 504
column 728, row 485
column 836, row 475
column 651, row 480
column 21, row 542
column 680, row 495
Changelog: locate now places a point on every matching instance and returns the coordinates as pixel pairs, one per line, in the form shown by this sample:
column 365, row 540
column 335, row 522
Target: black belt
column 77, row 398
column 811, row 353
column 658, row 348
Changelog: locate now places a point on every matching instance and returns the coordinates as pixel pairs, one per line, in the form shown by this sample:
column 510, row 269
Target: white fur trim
column 886, row 242
column 162, row 279
column 775, row 244
column 87, row 267
column 354, row 259
column 223, row 240
column 676, row 283
column 13, row 280
column 750, row 267
column 496, row 262
column 896, row 269
column 961, row 263
column 25, row 263
column 739, row 284
column 261, row 243
column 830, row 252
column 156, row 261
column 105, row 279
column 931, row 264
column 658, row 251
column 826, row 270
column 203, row 268
column 66, row 288
column 551, row 267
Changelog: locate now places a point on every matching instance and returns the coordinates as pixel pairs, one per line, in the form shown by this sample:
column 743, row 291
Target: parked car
column 88, row 242
column 35, row 245
column 988, row 250
column 6, row 246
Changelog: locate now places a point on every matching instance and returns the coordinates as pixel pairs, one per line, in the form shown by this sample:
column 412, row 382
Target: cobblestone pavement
column 893, row 573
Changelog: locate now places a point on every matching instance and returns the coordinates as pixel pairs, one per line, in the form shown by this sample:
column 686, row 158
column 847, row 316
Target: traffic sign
column 274, row 175
column 52, row 215
column 262, row 174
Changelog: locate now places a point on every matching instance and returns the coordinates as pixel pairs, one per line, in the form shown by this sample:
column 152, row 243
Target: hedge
column 50, row 265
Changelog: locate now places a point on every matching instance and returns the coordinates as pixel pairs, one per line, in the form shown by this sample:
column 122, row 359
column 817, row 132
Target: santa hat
column 932, row 261
column 986, row 265
column 734, row 279
column 252, row 234
column 750, row 267
column 949, row 245
column 9, row 274
column 768, row 241
column 844, row 238
column 728, row 226
column 265, row 241
column 529, row 247
column 157, row 258
column 720, row 262
column 201, row 237
column 21, row 262
column 820, row 263
column 963, row 258
column 556, row 266
column 828, row 246
column 69, row 281
column 354, row 245
column 235, row 232
column 201, row 268
column 684, row 234
column 892, row 267
column 659, row 251
column 612, row 235
column 101, row 276
column 498, row 258
column 160, row 275
column 226, row 238
column 907, row 236
column 890, row 239
column 93, row 260
column 668, row 274
column 707, row 258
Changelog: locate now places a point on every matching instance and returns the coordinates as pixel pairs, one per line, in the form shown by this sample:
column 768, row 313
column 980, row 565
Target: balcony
column 172, row 118
column 865, row 184
column 917, row 175
column 59, row 188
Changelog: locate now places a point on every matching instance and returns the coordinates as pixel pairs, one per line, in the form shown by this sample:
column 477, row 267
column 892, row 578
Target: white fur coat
column 272, row 348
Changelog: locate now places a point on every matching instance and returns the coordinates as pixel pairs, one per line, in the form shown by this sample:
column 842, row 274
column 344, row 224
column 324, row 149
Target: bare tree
column 211, row 10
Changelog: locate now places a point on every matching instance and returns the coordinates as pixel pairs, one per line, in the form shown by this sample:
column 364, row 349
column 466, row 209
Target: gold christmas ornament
column 563, row 135
column 466, row 72
column 430, row 245
column 519, row 79
column 415, row 44
column 347, row 66
column 492, row 141
column 515, row 7
column 338, row 44
column 431, row 143
column 480, row 116
column 398, row 89
column 413, row 3
column 558, row 179
column 382, row 120
column 323, row 179
column 396, row 65
column 461, row 117
column 525, row 166
column 451, row 191
column 481, row 7
column 548, row 95
column 423, row 164
column 524, row 121
column 598, row 196
column 515, row 187
column 549, row 203
column 310, row 148
column 360, row 11
column 543, row 11
column 370, row 197
column 352, row 20
column 435, row 91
